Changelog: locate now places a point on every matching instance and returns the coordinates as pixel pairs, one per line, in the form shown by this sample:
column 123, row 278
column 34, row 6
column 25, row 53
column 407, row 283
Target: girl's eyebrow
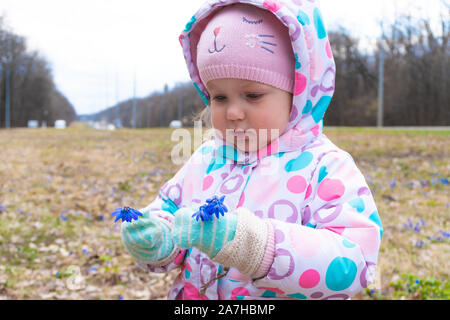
column 254, row 86
column 210, row 85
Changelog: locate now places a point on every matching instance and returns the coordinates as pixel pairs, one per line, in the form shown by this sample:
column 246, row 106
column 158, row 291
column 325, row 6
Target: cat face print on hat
column 245, row 42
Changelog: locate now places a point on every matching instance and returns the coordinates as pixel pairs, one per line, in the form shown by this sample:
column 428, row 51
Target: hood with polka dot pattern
column 313, row 68
column 326, row 228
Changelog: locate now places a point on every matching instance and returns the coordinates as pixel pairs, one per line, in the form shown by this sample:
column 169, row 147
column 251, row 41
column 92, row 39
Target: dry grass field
column 58, row 188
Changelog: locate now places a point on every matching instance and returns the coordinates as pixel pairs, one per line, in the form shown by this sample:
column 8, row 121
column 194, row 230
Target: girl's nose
column 235, row 113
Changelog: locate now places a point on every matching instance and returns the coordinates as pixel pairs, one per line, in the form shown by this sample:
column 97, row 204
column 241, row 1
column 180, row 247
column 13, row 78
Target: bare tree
column 32, row 92
column 415, row 82
column 417, row 71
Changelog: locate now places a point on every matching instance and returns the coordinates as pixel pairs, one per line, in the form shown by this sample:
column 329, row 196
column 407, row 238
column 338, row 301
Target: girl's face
column 261, row 112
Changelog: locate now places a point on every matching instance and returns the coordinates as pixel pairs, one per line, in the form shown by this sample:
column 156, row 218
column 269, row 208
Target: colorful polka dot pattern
column 321, row 248
column 327, row 227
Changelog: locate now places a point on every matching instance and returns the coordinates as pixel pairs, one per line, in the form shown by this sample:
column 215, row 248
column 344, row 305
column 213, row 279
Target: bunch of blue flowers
column 213, row 206
column 126, row 214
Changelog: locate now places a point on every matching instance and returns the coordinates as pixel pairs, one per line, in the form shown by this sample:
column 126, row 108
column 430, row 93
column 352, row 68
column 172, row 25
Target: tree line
column 27, row 86
column 416, row 83
column 416, row 76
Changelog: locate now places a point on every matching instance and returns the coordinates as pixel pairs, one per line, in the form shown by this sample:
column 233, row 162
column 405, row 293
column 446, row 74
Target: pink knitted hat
column 245, row 42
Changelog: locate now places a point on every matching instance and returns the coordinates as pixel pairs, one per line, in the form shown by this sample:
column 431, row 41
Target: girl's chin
column 246, row 146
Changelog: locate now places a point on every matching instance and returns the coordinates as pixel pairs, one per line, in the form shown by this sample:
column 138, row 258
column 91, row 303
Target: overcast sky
column 95, row 46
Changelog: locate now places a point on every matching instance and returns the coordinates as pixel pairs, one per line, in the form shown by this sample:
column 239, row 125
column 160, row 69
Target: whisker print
column 244, row 19
column 266, row 35
column 269, row 43
column 267, row 49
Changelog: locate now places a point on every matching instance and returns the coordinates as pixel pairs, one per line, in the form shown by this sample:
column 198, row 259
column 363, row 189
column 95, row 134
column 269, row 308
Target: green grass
column 386, row 130
column 427, row 288
column 60, row 186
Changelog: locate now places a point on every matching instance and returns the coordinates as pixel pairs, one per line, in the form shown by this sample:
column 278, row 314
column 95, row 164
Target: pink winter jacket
column 326, row 227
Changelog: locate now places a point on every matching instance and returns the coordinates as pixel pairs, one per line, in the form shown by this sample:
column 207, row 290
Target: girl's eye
column 254, row 96
column 219, row 98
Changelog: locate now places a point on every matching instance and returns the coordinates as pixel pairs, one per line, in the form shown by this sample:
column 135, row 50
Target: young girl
column 301, row 220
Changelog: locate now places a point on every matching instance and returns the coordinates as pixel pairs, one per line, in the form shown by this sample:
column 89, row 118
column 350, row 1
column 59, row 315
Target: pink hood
column 314, row 70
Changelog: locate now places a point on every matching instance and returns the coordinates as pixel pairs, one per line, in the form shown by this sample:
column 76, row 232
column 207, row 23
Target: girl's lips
column 240, row 134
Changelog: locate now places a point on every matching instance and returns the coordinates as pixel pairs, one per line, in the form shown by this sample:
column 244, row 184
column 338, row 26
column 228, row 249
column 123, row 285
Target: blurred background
column 120, row 63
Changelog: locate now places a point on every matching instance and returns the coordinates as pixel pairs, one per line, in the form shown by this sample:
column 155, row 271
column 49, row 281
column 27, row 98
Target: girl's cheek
column 215, row 119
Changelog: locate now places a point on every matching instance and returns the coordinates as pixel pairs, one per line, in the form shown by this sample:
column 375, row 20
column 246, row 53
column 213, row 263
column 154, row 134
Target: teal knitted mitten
column 208, row 236
column 148, row 239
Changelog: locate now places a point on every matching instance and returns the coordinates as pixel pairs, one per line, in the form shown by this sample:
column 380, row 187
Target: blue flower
column 419, row 244
column 213, row 206
column 201, row 214
column 410, row 224
column 126, row 214
column 393, row 184
column 216, row 206
column 91, row 269
column 416, row 228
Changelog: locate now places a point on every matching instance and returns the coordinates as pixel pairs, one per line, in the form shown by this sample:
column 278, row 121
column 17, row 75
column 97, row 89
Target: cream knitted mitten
column 248, row 250
column 239, row 239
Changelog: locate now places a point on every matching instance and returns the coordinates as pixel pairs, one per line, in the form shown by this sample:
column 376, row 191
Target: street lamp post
column 134, row 102
column 7, row 101
column 380, row 87
column 180, row 106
